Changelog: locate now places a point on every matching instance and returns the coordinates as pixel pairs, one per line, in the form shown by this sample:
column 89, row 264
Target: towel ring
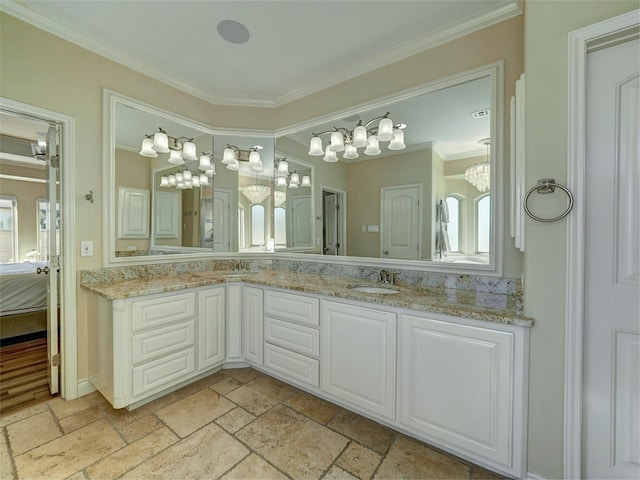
column 547, row 185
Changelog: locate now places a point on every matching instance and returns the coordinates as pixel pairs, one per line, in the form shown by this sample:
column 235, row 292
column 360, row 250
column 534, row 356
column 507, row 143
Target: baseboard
column 85, row 387
column 534, row 476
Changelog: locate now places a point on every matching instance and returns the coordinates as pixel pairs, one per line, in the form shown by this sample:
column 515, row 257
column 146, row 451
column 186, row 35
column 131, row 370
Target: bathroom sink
column 378, row 290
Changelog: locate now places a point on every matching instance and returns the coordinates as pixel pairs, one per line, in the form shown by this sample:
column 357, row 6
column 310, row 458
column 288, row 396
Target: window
column 44, row 228
column 240, row 226
column 453, row 227
column 8, row 229
column 483, row 224
column 279, row 219
column 257, row 225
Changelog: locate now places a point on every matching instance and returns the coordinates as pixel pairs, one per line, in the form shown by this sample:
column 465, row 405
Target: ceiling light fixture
column 479, row 175
column 178, row 148
column 348, row 141
column 285, row 179
column 186, row 179
column 256, row 193
column 232, row 155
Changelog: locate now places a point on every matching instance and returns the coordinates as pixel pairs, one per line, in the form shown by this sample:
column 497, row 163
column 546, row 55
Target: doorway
column 333, row 221
column 602, row 336
column 401, row 222
column 60, row 142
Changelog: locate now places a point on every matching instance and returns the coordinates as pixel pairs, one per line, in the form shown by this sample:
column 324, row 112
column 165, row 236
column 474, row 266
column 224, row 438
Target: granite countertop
column 490, row 307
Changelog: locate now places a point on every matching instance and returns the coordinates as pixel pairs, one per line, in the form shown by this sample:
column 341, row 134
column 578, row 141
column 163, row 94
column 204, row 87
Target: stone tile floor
column 235, row 424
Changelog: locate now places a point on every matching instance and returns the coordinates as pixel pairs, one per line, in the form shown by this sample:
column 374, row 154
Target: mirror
column 413, row 203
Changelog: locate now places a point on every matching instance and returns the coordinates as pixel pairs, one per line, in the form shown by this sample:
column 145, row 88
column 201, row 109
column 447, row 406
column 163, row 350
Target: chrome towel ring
column 547, row 185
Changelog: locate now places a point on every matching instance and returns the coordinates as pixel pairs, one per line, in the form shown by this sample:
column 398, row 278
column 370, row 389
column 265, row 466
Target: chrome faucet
column 387, row 277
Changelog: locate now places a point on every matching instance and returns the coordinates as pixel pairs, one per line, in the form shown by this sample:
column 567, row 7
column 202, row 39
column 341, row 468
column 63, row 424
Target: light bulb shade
column 175, row 157
column 187, row 175
column 283, row 168
column 235, row 166
column 330, row 156
column 337, row 142
column 281, row 181
column 204, row 180
column 306, row 181
column 195, row 181
column 373, row 147
column 164, row 181
column 172, row 180
column 256, row 168
column 147, row 148
column 315, row 147
column 161, row 142
column 254, row 158
column 385, row 130
column 359, row 136
column 181, row 186
column 350, row 152
column 228, row 156
column 189, row 151
column 205, row 162
column 294, row 180
column 212, row 172
column 397, row 143
column 179, row 178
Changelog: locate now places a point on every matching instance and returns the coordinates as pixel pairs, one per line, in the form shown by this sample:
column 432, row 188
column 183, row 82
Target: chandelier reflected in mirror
column 479, row 175
column 256, row 192
column 362, row 136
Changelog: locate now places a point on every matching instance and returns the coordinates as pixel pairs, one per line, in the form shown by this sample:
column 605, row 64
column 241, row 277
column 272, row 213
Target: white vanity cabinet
column 292, row 337
column 144, row 346
column 252, row 325
column 358, row 357
column 461, row 387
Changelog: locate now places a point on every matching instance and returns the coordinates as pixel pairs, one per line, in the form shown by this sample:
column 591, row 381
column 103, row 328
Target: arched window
column 280, row 226
column 257, row 225
column 454, row 226
column 483, row 224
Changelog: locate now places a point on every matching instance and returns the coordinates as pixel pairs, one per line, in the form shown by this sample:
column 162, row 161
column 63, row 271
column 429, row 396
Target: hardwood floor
column 23, row 375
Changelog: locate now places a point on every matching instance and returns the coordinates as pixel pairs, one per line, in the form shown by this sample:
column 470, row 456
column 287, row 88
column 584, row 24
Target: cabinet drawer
column 292, row 336
column 162, row 341
column 293, row 365
column 161, row 311
column 294, row 308
column 164, row 371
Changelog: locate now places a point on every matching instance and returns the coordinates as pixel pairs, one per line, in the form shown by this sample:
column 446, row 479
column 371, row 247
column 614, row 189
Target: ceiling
column 295, row 48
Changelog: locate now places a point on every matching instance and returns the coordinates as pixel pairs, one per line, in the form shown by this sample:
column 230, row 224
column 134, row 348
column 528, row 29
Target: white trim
column 381, row 59
column 534, row 476
column 85, row 387
column 575, row 248
column 68, row 308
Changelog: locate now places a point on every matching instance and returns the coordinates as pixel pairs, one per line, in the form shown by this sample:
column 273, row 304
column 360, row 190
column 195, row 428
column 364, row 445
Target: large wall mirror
column 427, row 191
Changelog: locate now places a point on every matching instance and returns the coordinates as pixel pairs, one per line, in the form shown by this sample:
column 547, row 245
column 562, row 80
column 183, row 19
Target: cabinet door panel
column 294, row 337
column 162, row 341
column 292, row 365
column 294, row 308
column 163, row 372
column 211, row 338
column 358, row 355
column 455, row 385
column 252, row 324
column 161, row 311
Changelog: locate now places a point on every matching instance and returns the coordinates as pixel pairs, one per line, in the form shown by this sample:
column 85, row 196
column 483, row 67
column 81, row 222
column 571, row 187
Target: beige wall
column 547, row 25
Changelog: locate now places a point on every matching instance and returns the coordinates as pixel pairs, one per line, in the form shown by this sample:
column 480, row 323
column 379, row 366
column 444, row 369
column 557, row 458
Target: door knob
column 386, row 252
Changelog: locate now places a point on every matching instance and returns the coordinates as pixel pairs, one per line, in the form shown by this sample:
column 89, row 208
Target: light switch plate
column 86, row 248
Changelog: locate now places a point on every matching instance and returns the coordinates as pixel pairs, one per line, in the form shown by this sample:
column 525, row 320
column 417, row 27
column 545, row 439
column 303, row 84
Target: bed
column 22, row 289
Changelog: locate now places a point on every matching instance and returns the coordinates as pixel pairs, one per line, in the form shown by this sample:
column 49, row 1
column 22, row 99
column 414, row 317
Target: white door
column 300, row 215
column 611, row 394
column 330, row 224
column 221, row 220
column 401, row 222
column 52, row 292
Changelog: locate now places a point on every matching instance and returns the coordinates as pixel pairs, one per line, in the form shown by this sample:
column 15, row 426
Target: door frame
column 420, row 188
column 68, row 314
column 342, row 232
column 580, row 41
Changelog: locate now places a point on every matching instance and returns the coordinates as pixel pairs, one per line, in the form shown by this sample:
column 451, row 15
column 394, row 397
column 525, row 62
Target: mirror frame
column 496, row 260
column 496, row 256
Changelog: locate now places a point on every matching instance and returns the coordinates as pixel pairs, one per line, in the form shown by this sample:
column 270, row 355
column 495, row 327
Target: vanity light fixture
column 232, row 155
column 348, row 141
column 184, row 179
column 479, row 175
column 283, row 178
column 178, row 148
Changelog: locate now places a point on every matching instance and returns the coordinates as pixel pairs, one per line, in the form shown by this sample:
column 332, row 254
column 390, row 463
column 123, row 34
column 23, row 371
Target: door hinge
column 55, row 360
column 55, row 161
